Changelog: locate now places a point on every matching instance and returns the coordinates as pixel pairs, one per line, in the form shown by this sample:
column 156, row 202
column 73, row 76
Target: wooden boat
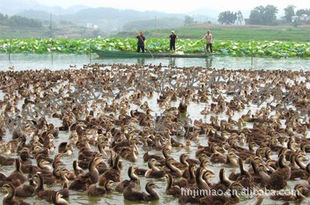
column 120, row 54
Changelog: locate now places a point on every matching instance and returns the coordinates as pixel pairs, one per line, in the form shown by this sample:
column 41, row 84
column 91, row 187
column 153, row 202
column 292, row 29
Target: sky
column 178, row 6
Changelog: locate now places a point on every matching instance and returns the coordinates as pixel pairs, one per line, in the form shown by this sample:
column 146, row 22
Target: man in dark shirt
column 141, row 42
column 172, row 37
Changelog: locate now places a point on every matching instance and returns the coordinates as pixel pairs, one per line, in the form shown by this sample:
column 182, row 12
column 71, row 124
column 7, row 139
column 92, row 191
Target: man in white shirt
column 209, row 38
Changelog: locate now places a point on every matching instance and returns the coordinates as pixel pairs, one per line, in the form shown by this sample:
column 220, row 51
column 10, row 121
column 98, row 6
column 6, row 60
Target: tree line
column 18, row 21
column 266, row 15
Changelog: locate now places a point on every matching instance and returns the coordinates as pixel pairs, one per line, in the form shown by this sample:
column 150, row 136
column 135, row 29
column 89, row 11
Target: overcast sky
column 178, row 6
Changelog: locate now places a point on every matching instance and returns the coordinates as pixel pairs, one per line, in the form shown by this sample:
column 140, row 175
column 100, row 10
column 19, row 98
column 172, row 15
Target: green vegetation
column 227, row 17
column 59, row 31
column 188, row 20
column 289, row 12
column 18, row 21
column 224, row 32
column 221, row 47
column 16, row 26
column 267, row 15
column 261, row 15
column 8, row 32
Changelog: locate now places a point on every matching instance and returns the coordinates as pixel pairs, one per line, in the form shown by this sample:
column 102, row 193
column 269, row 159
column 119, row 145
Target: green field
column 221, row 32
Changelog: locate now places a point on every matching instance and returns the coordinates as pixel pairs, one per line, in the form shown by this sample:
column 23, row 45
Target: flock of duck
column 232, row 144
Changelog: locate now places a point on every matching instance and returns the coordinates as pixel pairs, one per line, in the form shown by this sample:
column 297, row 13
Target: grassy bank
column 222, row 32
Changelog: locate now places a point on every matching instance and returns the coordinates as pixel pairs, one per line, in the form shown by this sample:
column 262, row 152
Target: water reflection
column 172, row 62
column 63, row 61
column 52, row 58
column 209, row 62
column 9, row 57
column 141, row 61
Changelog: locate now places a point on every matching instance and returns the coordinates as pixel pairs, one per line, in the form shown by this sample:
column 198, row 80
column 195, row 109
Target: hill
column 111, row 20
column 15, row 7
column 22, row 27
column 107, row 19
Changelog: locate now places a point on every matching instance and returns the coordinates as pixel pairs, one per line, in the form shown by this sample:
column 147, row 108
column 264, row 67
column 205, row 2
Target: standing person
column 209, row 38
column 172, row 37
column 141, row 42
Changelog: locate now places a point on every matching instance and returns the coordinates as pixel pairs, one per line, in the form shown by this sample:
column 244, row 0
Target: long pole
column 10, row 50
column 204, row 46
column 52, row 53
column 149, row 52
column 90, row 52
column 252, row 55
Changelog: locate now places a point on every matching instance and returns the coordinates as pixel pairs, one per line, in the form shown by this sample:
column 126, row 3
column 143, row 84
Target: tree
column 227, row 17
column 239, row 18
column 303, row 16
column 18, row 21
column 289, row 13
column 303, row 11
column 188, row 20
column 3, row 18
column 263, row 15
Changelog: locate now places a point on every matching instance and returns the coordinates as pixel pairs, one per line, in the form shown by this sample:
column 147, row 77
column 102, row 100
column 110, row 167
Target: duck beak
column 206, row 162
column 157, row 163
column 101, row 156
column 211, row 175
